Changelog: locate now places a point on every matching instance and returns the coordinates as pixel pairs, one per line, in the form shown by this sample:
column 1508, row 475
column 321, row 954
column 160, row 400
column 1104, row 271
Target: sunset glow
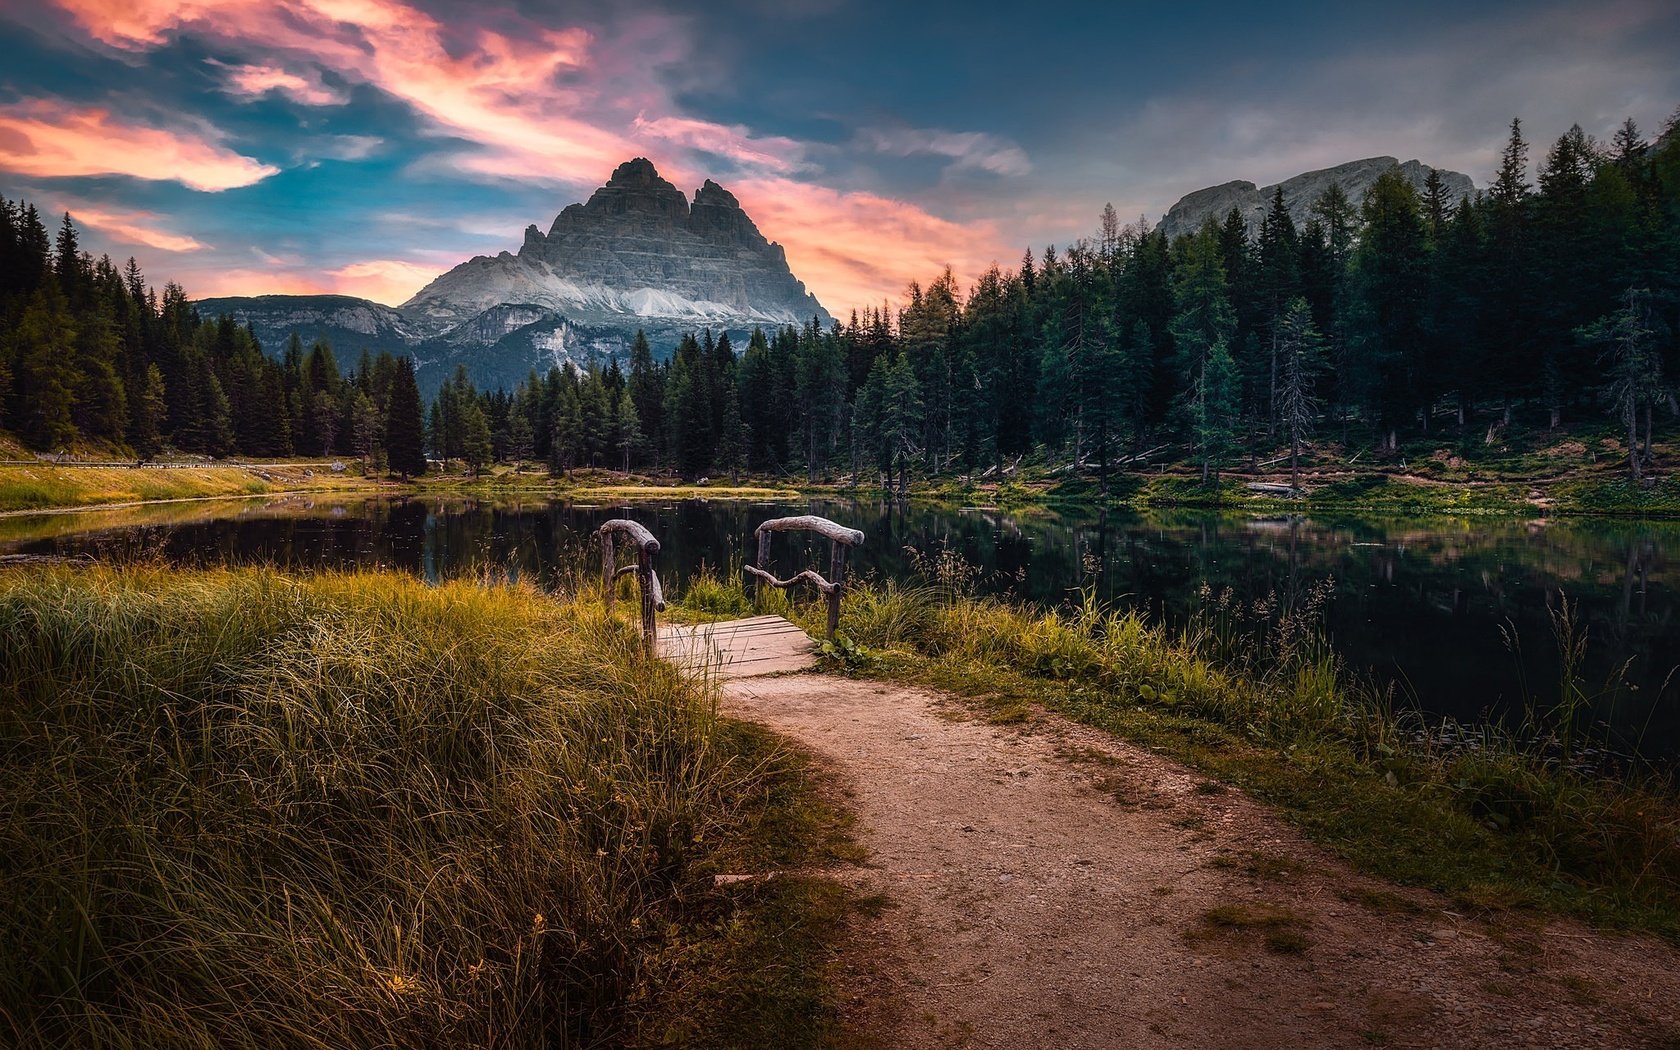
column 227, row 129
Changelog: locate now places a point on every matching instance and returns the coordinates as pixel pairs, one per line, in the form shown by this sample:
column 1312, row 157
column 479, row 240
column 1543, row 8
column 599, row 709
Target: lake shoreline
column 1522, row 486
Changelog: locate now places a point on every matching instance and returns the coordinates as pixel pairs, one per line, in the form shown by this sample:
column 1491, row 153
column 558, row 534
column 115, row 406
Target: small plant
column 843, row 651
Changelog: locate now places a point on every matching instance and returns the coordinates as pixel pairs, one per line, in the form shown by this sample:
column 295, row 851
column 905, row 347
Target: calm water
column 1421, row 603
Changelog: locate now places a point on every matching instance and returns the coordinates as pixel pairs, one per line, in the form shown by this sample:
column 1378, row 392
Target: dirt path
column 1049, row 887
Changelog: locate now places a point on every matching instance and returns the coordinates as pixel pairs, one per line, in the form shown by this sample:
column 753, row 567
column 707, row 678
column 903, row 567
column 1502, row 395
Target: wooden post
column 644, row 574
column 837, row 572
column 763, row 563
column 609, row 575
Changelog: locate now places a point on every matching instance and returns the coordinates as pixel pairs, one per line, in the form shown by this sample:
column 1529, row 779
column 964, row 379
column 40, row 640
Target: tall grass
column 1255, row 694
column 244, row 809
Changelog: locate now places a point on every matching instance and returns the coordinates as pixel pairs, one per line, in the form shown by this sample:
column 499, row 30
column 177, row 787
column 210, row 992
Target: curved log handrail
column 653, row 595
column 841, row 538
column 637, row 533
column 812, row 523
column 809, row 574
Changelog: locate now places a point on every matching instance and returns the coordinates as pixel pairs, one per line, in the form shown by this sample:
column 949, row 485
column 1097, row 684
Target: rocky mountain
column 1354, row 177
column 638, row 249
column 343, row 320
column 637, row 255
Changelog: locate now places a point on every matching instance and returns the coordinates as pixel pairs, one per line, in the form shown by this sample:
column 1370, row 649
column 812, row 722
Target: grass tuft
column 244, row 808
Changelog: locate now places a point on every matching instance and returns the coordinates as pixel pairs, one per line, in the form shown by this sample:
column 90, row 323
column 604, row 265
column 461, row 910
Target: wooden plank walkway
column 757, row 645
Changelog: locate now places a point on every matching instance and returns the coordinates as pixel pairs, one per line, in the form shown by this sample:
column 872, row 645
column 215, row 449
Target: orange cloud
column 51, row 139
column 388, row 281
column 516, row 93
column 135, row 227
column 857, row 249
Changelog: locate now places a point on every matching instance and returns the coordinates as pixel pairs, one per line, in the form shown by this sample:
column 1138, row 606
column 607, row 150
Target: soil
column 1049, row 886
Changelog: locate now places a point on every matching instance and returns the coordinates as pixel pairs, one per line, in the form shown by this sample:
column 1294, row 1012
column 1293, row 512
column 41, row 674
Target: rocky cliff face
column 1354, row 177
column 637, row 250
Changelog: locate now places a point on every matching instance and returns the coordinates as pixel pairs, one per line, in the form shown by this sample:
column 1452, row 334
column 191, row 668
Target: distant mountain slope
column 343, row 320
column 1354, row 177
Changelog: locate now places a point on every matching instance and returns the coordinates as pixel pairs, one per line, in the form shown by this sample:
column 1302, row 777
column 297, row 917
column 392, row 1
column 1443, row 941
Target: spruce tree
column 404, row 436
column 150, row 410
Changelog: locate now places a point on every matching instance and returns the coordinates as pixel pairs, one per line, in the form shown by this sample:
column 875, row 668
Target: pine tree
column 1278, row 282
column 364, row 427
column 1214, row 409
column 1300, row 349
column 404, row 436
column 45, row 346
column 1633, row 372
column 1389, row 280
column 632, row 441
column 150, row 411
column 520, row 437
column 475, row 437
column 1204, row 320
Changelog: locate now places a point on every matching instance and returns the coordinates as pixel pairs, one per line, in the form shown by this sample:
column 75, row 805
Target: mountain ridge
column 1355, row 177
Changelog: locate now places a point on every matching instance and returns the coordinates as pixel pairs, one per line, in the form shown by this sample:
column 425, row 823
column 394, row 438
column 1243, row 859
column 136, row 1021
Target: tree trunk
column 1632, row 414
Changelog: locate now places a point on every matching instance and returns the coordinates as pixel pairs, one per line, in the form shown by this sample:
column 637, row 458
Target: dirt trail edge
column 1054, row 887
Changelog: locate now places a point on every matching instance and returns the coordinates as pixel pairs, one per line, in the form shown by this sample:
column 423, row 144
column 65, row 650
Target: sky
column 244, row 147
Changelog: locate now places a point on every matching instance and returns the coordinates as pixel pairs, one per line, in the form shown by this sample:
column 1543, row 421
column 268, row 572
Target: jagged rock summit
column 637, row 250
column 1355, row 178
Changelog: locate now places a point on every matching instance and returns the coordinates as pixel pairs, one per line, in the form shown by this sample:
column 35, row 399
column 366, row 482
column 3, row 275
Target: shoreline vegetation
column 1535, row 817
column 1443, row 483
column 242, row 807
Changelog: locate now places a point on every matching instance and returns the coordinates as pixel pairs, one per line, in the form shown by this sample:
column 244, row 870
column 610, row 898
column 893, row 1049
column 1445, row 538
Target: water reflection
column 1420, row 602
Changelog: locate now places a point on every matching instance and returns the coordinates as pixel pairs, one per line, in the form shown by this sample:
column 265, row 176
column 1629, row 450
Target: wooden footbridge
column 746, row 648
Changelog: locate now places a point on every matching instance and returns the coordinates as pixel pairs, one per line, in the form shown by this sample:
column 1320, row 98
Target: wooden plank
column 745, row 648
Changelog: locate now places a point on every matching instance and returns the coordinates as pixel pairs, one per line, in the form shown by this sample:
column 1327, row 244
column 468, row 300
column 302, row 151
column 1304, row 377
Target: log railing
column 841, row 540
column 653, row 597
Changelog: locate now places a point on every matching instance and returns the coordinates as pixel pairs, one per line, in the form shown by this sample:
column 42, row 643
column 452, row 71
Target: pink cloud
column 771, row 153
column 256, row 80
column 135, row 228
column 52, row 139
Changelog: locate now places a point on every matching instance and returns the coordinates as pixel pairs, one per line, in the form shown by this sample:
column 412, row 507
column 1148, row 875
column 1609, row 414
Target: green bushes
column 239, row 808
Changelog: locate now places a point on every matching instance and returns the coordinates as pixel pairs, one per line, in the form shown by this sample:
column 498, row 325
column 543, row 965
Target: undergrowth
column 240, row 808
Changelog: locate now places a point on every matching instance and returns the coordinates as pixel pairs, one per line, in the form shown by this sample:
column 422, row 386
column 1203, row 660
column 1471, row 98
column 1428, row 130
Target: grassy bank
column 596, row 485
column 1259, row 701
column 44, row 486
column 241, row 808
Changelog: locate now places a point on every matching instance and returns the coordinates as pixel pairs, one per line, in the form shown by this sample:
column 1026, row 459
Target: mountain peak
column 637, row 249
column 712, row 193
column 637, row 171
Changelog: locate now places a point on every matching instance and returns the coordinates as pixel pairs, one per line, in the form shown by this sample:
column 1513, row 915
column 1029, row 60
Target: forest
column 1401, row 315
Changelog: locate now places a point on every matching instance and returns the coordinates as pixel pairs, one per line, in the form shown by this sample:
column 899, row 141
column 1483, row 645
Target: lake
column 1425, row 603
